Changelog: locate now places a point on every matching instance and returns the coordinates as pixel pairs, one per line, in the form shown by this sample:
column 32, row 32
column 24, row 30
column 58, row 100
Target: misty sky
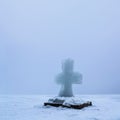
column 36, row 35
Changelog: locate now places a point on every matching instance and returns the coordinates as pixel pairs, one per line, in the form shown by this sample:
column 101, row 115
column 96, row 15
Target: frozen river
column 30, row 107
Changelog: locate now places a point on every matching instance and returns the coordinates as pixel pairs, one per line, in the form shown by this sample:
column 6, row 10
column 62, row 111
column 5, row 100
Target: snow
column 30, row 107
column 67, row 100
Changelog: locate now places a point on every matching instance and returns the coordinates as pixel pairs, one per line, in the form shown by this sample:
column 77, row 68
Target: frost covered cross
column 67, row 78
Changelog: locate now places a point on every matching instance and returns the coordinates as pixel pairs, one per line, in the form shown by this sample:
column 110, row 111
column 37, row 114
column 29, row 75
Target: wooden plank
column 80, row 106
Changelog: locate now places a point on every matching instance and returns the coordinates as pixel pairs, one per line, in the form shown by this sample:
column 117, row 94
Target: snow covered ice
column 30, row 107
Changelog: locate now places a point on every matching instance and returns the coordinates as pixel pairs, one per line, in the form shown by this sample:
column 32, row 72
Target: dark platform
column 59, row 103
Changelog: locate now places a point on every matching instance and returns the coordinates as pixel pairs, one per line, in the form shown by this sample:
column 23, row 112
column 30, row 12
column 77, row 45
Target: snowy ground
column 30, row 107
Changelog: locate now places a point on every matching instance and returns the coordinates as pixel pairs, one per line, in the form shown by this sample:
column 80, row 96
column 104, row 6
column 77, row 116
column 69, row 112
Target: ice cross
column 67, row 78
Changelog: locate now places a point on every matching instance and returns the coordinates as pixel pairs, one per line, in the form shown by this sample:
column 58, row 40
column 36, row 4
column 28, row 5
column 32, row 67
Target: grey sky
column 36, row 35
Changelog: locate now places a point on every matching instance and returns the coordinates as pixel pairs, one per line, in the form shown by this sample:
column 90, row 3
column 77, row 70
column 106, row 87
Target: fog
column 35, row 36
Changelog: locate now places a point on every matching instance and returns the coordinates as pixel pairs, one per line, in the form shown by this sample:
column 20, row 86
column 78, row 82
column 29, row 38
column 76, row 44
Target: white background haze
column 36, row 35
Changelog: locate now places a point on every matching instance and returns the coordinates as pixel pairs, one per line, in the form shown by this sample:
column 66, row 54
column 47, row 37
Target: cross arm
column 59, row 78
column 77, row 78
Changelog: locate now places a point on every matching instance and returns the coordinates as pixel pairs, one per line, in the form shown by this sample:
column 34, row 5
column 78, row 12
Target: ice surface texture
column 30, row 107
column 67, row 78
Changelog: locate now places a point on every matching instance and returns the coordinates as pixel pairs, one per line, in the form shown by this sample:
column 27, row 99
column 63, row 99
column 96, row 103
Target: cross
column 67, row 77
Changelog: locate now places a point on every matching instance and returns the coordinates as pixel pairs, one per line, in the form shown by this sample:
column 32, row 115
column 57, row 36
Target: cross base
column 61, row 103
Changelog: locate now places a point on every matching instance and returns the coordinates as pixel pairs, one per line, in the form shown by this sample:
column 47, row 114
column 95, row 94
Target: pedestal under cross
column 67, row 78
